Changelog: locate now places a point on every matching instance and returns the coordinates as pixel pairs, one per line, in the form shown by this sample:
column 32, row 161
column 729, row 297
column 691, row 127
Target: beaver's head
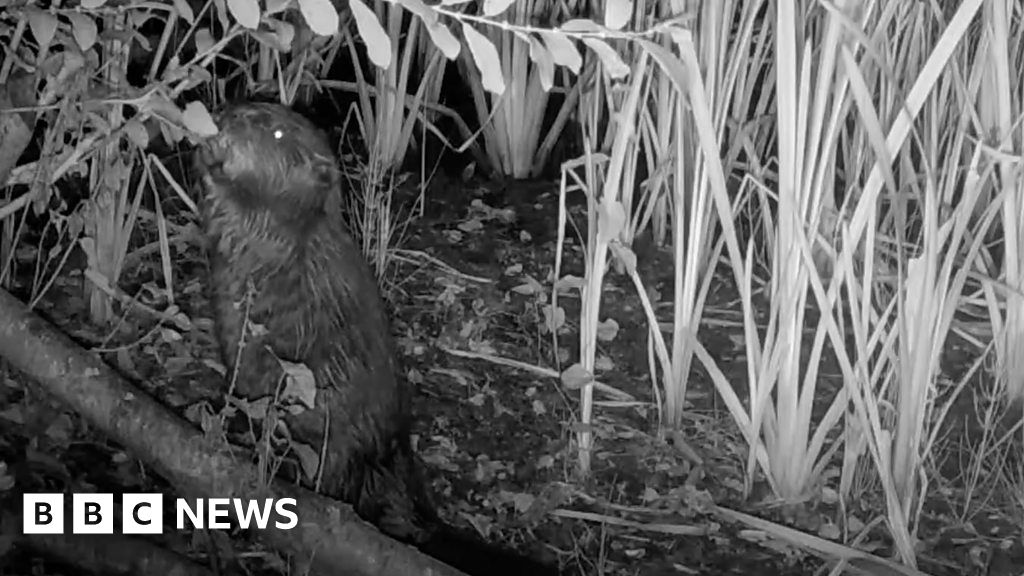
column 269, row 158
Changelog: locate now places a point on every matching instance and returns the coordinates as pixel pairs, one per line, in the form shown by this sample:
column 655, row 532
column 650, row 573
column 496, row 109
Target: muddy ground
column 496, row 438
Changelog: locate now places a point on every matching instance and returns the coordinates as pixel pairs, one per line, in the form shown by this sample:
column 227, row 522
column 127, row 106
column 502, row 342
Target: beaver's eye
column 278, row 134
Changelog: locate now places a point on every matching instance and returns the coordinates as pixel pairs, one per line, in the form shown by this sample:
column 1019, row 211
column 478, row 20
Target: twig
column 538, row 370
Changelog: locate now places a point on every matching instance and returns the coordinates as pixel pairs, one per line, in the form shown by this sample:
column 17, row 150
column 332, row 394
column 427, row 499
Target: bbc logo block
column 142, row 513
column 43, row 514
column 92, row 513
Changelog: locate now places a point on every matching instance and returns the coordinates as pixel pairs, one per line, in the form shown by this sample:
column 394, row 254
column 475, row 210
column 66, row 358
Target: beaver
column 281, row 257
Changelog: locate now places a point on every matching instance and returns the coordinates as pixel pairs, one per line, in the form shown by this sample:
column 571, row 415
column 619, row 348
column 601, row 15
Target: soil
column 497, row 438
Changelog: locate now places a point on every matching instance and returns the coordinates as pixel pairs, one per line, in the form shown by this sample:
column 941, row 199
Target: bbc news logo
column 144, row 513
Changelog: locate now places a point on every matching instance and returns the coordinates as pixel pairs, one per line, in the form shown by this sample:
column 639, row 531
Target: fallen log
column 330, row 538
column 113, row 554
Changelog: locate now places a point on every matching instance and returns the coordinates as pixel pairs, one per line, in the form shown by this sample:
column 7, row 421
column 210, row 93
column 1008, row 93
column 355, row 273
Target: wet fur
column 271, row 192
